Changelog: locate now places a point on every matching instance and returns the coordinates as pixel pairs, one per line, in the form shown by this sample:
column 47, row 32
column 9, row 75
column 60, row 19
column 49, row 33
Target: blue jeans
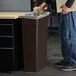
column 67, row 31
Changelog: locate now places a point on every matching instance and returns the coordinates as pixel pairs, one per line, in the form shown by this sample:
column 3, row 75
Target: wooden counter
column 11, row 15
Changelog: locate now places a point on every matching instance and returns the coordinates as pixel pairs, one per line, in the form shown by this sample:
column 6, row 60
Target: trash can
column 34, row 30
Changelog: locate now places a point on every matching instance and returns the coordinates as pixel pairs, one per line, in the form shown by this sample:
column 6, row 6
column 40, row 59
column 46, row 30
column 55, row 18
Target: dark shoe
column 69, row 68
column 61, row 63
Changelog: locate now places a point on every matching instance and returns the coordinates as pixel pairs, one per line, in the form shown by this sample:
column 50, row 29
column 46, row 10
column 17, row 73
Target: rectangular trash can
column 35, row 43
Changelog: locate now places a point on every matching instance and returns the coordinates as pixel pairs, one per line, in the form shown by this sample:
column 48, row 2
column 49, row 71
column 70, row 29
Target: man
column 67, row 31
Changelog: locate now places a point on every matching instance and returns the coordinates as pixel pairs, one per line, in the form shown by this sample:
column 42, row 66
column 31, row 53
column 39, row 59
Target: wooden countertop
column 11, row 15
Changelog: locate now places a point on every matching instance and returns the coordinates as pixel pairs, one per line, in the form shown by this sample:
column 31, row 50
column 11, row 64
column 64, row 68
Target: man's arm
column 69, row 3
column 66, row 7
column 48, row 1
column 44, row 4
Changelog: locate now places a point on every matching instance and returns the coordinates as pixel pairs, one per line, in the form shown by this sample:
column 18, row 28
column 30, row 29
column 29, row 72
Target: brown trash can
column 35, row 43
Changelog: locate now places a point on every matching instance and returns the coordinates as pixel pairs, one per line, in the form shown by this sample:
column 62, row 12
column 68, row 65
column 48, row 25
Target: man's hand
column 65, row 9
column 43, row 5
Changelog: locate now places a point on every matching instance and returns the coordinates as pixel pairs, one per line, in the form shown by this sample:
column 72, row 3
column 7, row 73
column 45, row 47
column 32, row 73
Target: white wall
column 15, row 5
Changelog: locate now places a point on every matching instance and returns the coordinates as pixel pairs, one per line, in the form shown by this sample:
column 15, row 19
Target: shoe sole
column 74, row 69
